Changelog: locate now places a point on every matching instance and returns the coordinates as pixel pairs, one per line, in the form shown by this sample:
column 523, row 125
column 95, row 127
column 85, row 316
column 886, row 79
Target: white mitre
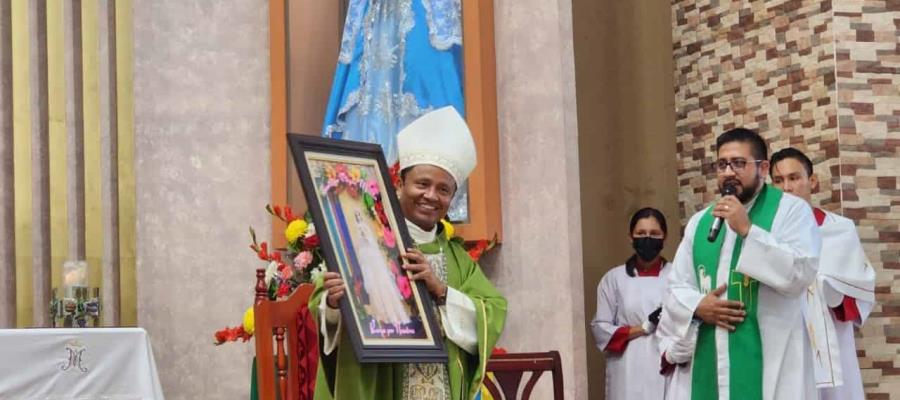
column 440, row 138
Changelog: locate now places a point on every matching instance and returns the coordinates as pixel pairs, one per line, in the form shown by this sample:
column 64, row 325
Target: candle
column 74, row 275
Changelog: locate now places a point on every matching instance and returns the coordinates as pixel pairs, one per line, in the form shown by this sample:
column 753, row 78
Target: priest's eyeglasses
column 737, row 165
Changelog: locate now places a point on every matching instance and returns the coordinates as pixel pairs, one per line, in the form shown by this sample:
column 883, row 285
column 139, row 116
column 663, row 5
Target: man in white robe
column 844, row 292
column 764, row 266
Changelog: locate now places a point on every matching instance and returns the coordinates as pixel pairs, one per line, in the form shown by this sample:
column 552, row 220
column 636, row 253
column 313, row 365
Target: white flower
column 316, row 272
column 271, row 271
column 310, row 230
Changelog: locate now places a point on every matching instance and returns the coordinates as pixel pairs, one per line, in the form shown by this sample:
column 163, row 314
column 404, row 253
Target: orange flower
column 221, row 336
column 232, row 335
column 479, row 248
column 263, row 253
column 289, row 214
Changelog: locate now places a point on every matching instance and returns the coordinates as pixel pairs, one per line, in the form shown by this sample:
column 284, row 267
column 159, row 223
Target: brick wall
column 868, row 111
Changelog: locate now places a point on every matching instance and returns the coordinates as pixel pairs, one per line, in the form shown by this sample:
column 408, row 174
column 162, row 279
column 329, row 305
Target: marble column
column 201, row 102
column 539, row 266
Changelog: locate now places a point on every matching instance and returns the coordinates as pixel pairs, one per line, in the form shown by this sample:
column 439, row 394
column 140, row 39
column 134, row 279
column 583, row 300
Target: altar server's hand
column 334, row 287
column 730, row 208
column 422, row 271
column 652, row 320
column 723, row 313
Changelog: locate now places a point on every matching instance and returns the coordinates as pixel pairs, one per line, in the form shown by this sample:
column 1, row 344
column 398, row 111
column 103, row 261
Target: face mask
column 647, row 248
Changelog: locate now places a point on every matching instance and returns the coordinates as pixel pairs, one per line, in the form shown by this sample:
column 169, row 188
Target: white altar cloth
column 77, row 364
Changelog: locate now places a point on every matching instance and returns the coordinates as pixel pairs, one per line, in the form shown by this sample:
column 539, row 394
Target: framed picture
column 348, row 189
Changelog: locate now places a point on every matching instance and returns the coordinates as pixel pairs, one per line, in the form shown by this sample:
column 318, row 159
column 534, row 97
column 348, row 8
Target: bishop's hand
column 422, row 271
column 334, row 288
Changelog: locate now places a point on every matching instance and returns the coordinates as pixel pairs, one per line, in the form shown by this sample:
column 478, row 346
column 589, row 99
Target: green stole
column 744, row 344
column 352, row 380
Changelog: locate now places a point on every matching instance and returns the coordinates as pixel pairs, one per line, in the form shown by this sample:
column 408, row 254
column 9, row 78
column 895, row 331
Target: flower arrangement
column 287, row 268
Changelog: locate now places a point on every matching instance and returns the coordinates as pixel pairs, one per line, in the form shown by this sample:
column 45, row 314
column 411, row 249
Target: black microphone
column 727, row 190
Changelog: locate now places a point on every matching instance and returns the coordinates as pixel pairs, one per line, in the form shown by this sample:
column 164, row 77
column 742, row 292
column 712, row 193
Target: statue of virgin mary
column 398, row 60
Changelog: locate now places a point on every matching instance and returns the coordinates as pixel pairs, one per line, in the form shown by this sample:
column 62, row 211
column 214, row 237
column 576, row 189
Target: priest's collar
column 419, row 235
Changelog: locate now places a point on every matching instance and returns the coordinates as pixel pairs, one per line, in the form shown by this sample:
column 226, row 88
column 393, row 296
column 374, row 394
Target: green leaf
column 273, row 288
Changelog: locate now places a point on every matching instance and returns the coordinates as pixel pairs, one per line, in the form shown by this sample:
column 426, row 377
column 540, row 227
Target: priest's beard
column 747, row 191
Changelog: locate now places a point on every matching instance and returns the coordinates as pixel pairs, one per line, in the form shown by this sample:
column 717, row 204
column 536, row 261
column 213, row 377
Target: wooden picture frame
column 357, row 216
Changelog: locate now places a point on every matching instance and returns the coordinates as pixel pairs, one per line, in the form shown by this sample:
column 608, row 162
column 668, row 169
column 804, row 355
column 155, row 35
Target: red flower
column 232, row 335
column 278, row 211
column 498, row 350
column 289, row 214
column 283, row 290
column 263, row 252
column 476, row 251
column 221, row 336
column 395, row 174
column 311, row 242
column 379, row 211
column 286, row 273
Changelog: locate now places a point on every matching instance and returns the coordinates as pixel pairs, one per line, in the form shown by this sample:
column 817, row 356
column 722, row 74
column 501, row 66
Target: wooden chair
column 509, row 369
column 288, row 372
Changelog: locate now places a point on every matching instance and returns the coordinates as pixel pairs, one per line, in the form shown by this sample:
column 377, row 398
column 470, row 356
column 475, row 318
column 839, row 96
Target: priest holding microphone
column 739, row 277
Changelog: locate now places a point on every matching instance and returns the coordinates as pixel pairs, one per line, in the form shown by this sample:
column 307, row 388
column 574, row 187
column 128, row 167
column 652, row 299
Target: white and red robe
column 842, row 296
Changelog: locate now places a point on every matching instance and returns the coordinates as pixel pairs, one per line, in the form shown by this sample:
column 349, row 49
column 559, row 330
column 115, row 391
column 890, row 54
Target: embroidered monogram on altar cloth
column 75, row 357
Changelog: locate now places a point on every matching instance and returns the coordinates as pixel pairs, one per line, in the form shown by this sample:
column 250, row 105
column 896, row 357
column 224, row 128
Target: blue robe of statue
column 398, row 60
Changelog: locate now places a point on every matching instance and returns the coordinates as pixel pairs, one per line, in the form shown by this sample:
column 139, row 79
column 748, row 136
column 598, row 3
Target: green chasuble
column 744, row 344
column 352, row 380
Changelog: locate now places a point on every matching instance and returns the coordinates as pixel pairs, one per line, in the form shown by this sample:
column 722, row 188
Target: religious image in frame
column 389, row 317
